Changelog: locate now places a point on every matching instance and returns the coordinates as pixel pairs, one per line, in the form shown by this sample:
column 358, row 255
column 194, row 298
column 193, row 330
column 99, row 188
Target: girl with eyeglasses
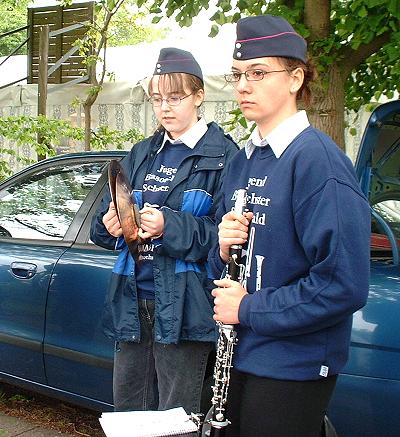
column 306, row 237
column 159, row 309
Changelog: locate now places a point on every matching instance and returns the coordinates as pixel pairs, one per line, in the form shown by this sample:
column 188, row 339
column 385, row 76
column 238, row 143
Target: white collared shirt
column 280, row 137
column 190, row 138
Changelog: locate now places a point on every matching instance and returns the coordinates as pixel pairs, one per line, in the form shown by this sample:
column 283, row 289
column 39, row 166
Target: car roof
column 86, row 156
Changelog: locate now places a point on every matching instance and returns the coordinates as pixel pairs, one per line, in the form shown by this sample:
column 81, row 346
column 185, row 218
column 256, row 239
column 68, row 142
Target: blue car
column 366, row 400
column 53, row 281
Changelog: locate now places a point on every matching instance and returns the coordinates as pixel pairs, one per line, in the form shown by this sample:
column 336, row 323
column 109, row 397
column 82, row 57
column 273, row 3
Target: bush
column 44, row 136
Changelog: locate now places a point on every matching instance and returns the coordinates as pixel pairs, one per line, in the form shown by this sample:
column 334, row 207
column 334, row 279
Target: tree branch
column 104, row 69
column 351, row 58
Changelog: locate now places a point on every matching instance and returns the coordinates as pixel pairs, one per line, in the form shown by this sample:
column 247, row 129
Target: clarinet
column 216, row 422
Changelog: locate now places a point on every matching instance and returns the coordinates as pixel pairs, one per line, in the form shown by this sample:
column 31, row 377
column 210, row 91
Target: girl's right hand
column 111, row 222
column 233, row 229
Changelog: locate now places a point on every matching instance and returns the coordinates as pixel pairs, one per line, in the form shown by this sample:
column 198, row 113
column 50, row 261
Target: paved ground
column 15, row 427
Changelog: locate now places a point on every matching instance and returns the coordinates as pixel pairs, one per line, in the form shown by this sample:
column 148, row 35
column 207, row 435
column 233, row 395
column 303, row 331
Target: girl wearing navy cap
column 159, row 309
column 306, row 237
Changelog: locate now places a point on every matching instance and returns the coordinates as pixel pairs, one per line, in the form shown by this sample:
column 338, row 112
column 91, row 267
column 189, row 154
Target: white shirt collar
column 280, row 137
column 190, row 138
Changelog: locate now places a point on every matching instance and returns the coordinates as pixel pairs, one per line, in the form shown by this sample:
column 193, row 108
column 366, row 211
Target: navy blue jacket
column 182, row 285
column 308, row 266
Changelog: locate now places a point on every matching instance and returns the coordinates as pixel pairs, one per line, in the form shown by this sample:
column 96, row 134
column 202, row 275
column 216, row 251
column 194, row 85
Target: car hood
column 378, row 160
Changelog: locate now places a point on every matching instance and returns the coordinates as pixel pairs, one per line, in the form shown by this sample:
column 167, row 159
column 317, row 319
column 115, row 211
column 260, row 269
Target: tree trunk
column 87, row 108
column 327, row 112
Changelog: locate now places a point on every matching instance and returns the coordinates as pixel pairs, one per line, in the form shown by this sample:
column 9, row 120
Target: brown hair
column 176, row 82
column 310, row 74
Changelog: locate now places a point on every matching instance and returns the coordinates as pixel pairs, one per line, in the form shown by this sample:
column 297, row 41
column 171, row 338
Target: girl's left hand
column 151, row 223
column 227, row 298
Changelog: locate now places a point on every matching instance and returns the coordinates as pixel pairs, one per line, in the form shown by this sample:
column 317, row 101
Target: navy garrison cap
column 172, row 60
column 267, row 35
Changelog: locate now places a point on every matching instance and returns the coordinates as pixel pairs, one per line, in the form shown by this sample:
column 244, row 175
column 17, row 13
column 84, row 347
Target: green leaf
column 390, row 94
column 242, row 121
column 394, row 7
column 156, row 20
column 98, row 8
column 214, row 31
column 362, row 12
column 111, row 4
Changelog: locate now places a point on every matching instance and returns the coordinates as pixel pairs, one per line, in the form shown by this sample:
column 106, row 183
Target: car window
column 43, row 205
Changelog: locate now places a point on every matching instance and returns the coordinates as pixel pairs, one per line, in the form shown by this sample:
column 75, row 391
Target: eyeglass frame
column 151, row 100
column 263, row 74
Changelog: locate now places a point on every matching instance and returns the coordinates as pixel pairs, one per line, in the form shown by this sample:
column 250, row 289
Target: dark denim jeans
column 151, row 376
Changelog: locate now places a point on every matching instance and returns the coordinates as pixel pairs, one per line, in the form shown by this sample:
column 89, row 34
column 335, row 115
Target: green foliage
column 13, row 15
column 378, row 76
column 237, row 118
column 104, row 137
column 20, row 398
column 25, row 130
column 128, row 28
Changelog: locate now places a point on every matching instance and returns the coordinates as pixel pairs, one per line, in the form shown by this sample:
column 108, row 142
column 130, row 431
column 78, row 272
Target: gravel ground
column 49, row 413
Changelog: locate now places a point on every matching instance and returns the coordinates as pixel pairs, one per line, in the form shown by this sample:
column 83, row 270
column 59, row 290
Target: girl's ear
column 199, row 98
column 297, row 76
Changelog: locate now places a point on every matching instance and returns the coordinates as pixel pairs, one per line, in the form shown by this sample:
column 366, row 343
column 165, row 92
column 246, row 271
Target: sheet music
column 147, row 423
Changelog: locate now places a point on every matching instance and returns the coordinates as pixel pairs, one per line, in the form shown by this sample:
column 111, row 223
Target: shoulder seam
column 322, row 186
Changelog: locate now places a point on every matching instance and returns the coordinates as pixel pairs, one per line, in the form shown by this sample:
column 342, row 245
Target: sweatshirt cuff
column 219, row 263
column 244, row 310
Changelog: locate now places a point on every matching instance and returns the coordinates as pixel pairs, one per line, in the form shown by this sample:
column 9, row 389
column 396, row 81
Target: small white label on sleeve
column 324, row 371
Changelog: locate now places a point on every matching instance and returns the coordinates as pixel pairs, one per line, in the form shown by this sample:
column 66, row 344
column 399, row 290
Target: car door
column 78, row 356
column 39, row 221
column 367, row 395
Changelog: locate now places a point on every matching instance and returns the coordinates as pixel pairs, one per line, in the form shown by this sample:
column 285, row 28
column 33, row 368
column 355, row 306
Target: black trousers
column 263, row 407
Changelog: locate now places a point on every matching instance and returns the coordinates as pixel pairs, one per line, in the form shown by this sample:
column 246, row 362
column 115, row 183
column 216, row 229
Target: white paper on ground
column 147, row 423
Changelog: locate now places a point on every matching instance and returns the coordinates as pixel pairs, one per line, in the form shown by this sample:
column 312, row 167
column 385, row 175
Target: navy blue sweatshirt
column 308, row 257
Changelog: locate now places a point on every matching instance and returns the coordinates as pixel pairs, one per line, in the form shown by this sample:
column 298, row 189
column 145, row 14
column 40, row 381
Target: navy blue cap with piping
column 268, row 35
column 173, row 60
